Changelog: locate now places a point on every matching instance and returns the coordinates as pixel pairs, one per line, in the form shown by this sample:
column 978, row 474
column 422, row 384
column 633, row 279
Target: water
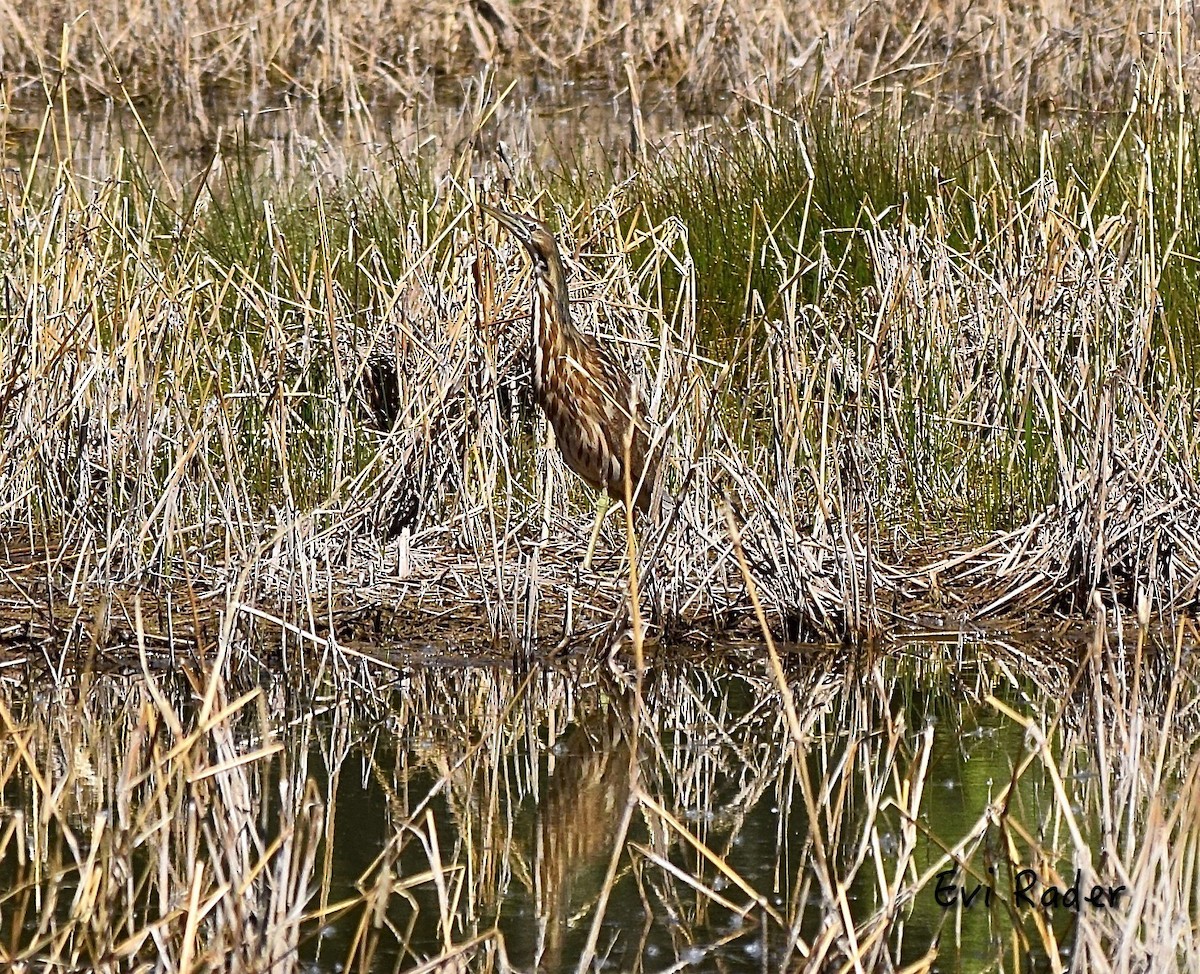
column 533, row 819
column 582, row 132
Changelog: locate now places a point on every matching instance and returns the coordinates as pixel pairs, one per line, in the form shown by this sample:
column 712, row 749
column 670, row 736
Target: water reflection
column 281, row 139
column 588, row 793
column 504, row 822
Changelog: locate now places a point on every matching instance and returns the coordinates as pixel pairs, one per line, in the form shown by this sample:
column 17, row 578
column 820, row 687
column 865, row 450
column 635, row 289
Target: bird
column 581, row 385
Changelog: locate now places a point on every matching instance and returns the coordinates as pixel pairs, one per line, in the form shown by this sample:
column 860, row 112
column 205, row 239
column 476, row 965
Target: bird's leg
column 602, row 506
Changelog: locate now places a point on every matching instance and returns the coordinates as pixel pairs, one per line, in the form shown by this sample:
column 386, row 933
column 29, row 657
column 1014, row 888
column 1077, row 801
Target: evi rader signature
column 1029, row 888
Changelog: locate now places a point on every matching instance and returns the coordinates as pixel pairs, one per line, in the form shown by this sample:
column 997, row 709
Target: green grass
column 794, row 214
column 753, row 201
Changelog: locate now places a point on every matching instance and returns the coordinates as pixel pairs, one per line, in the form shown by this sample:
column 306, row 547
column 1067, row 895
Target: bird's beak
column 510, row 221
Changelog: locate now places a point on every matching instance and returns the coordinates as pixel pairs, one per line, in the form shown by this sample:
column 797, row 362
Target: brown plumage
column 580, row 385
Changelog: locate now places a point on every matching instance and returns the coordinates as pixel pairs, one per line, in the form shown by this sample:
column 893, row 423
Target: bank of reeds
column 295, row 401
column 1001, row 335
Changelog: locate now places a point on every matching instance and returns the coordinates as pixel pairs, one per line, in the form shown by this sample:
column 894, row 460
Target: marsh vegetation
column 299, row 666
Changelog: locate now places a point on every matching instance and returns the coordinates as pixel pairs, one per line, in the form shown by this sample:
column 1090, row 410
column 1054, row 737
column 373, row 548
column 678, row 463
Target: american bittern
column 581, row 386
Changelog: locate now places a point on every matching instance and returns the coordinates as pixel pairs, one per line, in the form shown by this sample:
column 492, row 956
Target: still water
column 552, row 819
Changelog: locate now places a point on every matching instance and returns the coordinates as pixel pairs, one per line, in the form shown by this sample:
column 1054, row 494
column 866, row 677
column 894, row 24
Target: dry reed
column 1002, row 60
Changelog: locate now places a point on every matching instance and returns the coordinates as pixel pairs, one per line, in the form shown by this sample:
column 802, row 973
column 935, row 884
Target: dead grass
column 1000, row 59
column 303, row 412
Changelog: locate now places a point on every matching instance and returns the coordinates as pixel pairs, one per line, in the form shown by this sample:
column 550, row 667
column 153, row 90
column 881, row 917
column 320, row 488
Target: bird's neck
column 554, row 334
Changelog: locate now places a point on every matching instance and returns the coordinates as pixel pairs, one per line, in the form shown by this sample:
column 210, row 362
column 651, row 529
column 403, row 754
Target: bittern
column 581, row 386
